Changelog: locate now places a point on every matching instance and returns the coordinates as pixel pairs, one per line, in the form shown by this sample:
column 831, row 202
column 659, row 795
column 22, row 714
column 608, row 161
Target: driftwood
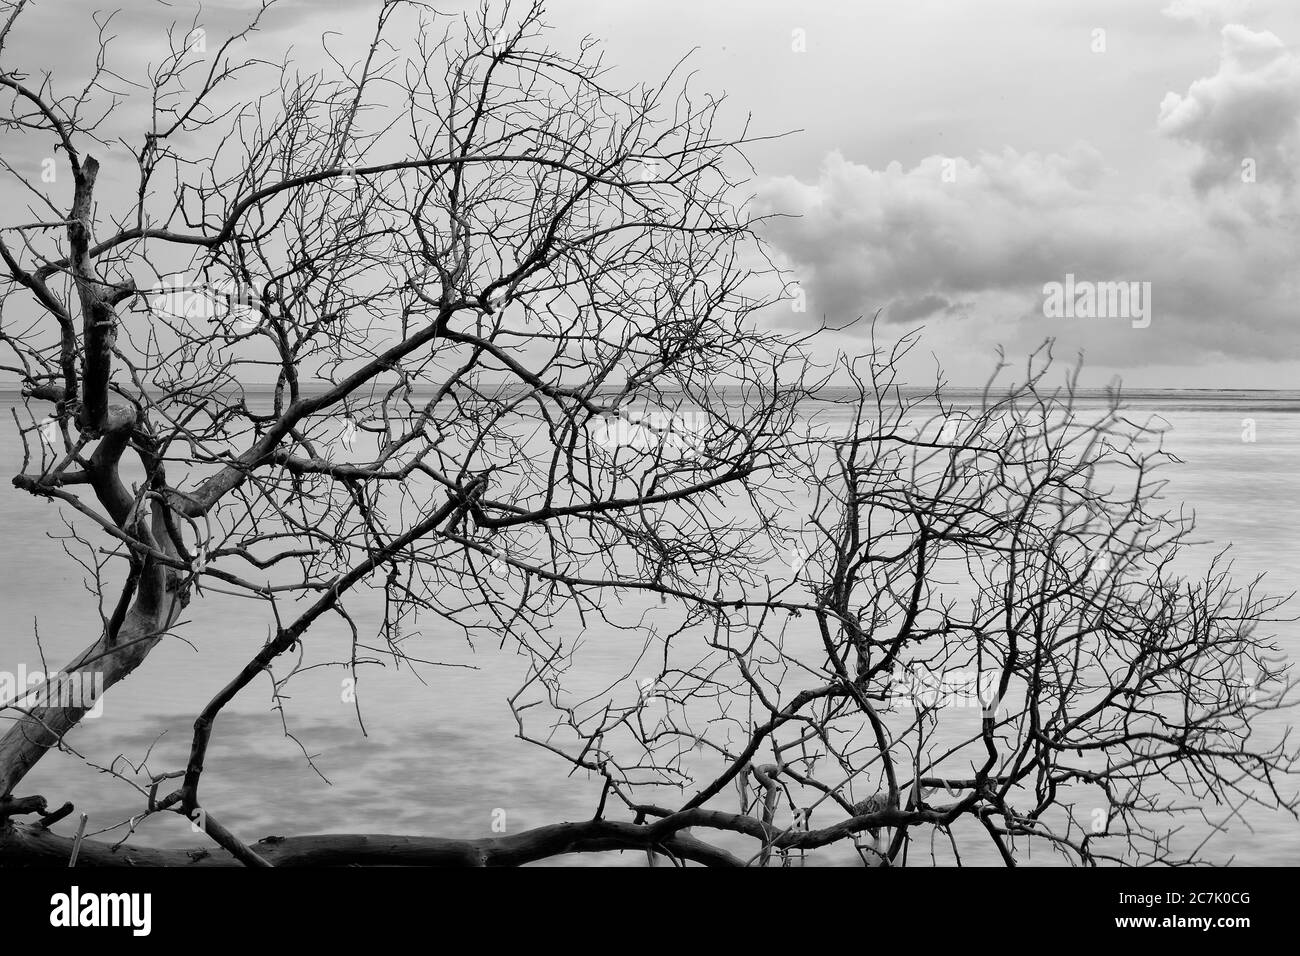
column 548, row 307
column 28, row 845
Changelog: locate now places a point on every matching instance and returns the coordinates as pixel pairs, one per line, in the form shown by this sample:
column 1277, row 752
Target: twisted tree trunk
column 159, row 600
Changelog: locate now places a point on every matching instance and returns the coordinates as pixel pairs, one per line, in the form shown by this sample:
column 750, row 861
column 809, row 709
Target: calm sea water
column 440, row 756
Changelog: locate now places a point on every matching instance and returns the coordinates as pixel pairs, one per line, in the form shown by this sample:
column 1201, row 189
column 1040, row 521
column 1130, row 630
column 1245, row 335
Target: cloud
column 967, row 246
column 913, row 240
column 1208, row 12
column 1246, row 117
column 910, row 310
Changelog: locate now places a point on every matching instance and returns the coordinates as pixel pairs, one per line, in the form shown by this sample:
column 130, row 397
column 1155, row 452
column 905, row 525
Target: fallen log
column 35, row 846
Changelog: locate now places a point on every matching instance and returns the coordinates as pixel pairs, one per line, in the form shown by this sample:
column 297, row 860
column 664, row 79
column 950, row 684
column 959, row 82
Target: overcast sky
column 954, row 157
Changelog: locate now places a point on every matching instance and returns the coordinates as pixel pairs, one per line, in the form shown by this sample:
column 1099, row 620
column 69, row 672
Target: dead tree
column 512, row 316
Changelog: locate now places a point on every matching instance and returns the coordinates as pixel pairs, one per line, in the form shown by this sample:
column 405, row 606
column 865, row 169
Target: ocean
column 439, row 754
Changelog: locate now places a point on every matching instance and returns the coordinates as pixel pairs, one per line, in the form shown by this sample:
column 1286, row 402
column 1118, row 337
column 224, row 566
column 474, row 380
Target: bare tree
column 510, row 314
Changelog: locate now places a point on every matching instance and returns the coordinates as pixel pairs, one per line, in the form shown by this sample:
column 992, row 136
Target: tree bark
column 43, row 727
column 27, row 845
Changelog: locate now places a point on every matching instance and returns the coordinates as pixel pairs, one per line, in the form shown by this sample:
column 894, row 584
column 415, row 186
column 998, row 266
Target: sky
column 954, row 165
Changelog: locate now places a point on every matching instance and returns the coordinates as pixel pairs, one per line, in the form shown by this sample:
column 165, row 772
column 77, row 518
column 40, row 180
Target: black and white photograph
column 703, row 435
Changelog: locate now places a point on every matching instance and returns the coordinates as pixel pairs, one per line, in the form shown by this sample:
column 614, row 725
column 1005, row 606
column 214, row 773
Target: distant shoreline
column 835, row 392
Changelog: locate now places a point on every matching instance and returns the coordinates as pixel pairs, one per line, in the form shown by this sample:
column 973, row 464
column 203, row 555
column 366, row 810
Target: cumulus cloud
column 1245, row 119
column 1208, row 12
column 966, row 245
column 969, row 245
column 943, row 229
